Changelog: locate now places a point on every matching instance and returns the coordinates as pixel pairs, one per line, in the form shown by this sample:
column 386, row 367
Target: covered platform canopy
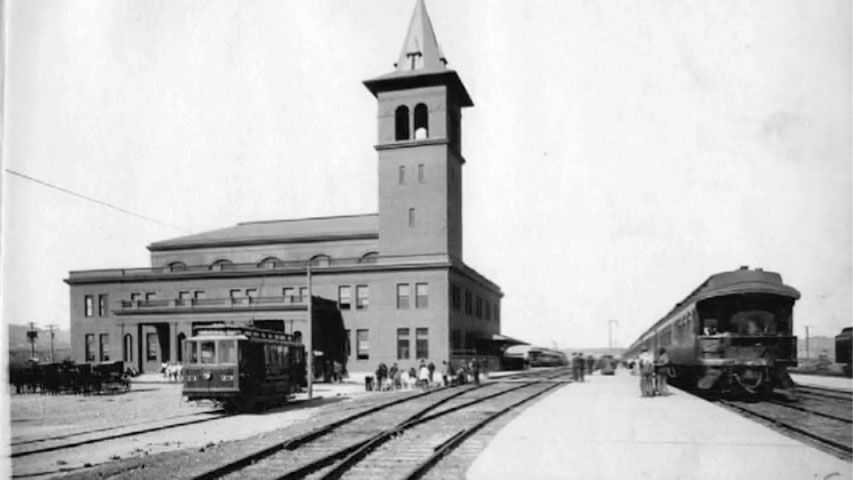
column 503, row 341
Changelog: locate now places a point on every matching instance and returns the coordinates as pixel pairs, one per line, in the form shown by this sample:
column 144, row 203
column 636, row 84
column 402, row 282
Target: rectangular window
column 208, row 352
column 411, row 217
column 421, row 295
column 468, row 307
column 303, row 294
column 252, row 292
column 90, row 347
column 289, row 293
column 479, row 307
column 199, row 294
column 153, row 346
column 402, row 296
column 88, row 306
column 105, row 347
column 362, row 345
column 102, row 306
column 455, row 342
column 135, row 297
column 422, row 343
column 420, row 173
column 488, row 310
column 362, row 297
column 401, row 175
column 192, row 351
column 150, row 295
column 497, row 316
column 347, row 345
column 227, row 351
column 455, row 297
column 184, row 295
column 344, row 297
column 403, row 344
column 237, row 293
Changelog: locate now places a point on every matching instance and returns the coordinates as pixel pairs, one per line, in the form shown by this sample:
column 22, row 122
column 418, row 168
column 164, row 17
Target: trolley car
column 731, row 334
column 243, row 368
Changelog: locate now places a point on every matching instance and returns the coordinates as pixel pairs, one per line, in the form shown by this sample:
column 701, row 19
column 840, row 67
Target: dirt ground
column 36, row 417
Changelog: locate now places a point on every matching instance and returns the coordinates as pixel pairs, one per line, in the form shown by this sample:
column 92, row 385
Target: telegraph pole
column 309, row 335
column 32, row 335
column 807, row 342
column 52, row 334
column 610, row 332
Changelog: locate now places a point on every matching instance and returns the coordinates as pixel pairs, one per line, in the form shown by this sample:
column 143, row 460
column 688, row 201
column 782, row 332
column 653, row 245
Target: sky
column 618, row 152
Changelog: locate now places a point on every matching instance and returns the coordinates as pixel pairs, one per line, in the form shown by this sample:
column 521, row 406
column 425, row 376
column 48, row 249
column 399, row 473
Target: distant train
column 731, row 334
column 243, row 368
column 545, row 357
column 842, row 349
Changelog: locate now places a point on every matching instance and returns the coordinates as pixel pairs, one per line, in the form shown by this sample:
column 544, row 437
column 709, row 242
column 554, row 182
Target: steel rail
column 808, row 410
column 793, row 428
column 296, row 442
column 454, row 441
column 353, row 458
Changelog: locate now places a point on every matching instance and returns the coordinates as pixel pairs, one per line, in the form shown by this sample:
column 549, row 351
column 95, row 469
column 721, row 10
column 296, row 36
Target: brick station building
column 396, row 277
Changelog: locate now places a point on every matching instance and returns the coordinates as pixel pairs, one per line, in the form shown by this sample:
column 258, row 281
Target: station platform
column 840, row 383
column 604, row 429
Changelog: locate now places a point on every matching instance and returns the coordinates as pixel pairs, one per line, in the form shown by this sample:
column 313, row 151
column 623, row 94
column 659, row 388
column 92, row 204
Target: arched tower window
column 177, row 266
column 270, row 262
column 220, row 265
column 401, row 123
column 369, row 257
column 321, row 260
column 181, row 337
column 127, row 354
column 421, row 121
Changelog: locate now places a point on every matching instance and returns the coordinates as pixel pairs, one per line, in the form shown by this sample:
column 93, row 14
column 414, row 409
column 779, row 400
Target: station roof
column 344, row 227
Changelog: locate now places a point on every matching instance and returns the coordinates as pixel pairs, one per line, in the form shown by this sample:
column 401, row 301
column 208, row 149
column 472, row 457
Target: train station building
column 396, row 279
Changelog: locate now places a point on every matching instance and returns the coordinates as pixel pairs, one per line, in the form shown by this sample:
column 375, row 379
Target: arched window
column 181, row 338
column 401, row 123
column 127, row 351
column 297, row 336
column 177, row 266
column 270, row 262
column 369, row 257
column 421, row 122
column 321, row 260
column 220, row 264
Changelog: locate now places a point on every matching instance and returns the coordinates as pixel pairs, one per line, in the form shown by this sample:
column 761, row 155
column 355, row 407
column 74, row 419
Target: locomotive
column 243, row 368
column 546, row 357
column 733, row 333
column 842, row 349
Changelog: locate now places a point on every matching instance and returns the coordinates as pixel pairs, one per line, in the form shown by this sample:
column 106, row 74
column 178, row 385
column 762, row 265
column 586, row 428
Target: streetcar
column 733, row 333
column 243, row 368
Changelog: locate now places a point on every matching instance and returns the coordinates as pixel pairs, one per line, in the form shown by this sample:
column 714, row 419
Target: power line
column 94, row 200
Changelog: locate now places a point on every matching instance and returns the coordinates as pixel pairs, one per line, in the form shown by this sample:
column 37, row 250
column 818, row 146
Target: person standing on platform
column 576, row 376
column 394, row 377
column 646, row 364
column 423, row 376
column 582, row 363
column 381, row 374
column 662, row 368
column 590, row 364
column 475, row 368
column 431, row 368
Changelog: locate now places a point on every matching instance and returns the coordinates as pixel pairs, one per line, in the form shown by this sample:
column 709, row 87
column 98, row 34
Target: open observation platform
column 604, row 429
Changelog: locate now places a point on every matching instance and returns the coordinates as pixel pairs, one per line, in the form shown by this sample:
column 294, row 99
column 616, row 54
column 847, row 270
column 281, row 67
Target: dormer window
column 401, row 123
column 421, row 121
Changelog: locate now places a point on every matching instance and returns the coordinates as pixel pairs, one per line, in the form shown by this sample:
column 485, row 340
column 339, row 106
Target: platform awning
column 506, row 341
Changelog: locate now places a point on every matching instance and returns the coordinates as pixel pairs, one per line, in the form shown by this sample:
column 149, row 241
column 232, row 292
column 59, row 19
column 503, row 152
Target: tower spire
column 420, row 49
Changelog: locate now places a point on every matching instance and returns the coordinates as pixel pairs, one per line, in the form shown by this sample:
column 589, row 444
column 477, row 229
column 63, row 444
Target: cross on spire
column 420, row 49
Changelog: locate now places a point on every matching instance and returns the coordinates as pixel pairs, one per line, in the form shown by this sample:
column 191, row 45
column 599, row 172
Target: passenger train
column 843, row 350
column 243, row 368
column 731, row 334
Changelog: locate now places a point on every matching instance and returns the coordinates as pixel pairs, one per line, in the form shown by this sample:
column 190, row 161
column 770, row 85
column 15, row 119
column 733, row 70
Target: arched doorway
column 127, row 351
column 181, row 338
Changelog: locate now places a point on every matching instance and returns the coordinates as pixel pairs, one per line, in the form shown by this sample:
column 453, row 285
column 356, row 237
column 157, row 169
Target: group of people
column 424, row 376
column 172, row 371
column 654, row 372
column 581, row 366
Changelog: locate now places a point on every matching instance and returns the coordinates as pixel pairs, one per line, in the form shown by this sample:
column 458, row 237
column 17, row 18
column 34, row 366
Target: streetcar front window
column 227, row 351
column 192, row 352
column 208, row 352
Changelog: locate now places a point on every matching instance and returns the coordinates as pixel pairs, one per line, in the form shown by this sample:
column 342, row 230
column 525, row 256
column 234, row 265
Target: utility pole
column 52, row 334
column 32, row 335
column 807, row 342
column 610, row 332
column 309, row 335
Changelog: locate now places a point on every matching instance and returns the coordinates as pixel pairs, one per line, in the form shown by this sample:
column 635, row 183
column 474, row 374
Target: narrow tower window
column 411, row 217
column 401, row 123
column 421, row 122
column 401, row 175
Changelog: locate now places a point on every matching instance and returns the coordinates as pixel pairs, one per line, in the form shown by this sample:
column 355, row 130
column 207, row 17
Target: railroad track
column 344, row 443
column 831, row 393
column 87, row 437
column 830, row 433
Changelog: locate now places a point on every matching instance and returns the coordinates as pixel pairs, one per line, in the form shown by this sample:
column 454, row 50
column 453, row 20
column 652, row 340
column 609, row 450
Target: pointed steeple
column 420, row 49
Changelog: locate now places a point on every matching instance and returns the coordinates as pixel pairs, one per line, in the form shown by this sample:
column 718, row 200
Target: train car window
column 208, row 352
column 192, row 352
column 227, row 351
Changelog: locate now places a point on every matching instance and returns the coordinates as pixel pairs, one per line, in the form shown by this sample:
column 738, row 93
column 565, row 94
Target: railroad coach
column 732, row 333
